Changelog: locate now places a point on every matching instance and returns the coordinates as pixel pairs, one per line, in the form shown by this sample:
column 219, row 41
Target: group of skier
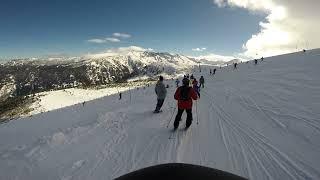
column 213, row 72
column 185, row 94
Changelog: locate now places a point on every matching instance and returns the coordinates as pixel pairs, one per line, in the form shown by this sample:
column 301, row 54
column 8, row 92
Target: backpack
column 184, row 93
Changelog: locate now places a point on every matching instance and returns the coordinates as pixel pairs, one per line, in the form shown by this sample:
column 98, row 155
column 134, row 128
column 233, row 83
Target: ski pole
column 171, row 117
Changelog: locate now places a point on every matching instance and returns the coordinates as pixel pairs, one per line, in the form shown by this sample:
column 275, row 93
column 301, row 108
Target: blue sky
column 42, row 27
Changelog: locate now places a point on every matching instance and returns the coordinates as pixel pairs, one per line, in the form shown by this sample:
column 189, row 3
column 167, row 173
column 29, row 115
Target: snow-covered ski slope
column 259, row 122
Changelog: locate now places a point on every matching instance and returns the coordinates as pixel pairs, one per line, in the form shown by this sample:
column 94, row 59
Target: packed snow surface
column 258, row 121
column 52, row 100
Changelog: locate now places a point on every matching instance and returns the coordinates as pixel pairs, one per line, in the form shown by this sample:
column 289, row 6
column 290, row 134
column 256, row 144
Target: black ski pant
column 198, row 93
column 178, row 117
column 159, row 104
column 202, row 85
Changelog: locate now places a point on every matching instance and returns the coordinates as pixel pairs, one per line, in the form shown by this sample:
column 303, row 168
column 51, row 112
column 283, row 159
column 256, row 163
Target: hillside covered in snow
column 32, row 75
column 42, row 74
column 257, row 121
column 20, row 78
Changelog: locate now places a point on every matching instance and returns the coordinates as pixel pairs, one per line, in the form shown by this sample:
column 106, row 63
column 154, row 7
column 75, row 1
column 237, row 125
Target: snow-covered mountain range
column 35, row 75
column 22, row 77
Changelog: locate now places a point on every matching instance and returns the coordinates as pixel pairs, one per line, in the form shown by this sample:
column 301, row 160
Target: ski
column 176, row 132
column 157, row 112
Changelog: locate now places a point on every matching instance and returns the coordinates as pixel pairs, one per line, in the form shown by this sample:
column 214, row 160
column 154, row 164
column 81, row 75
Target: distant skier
column 262, row 59
column 184, row 95
column 196, row 87
column 161, row 92
column 214, row 70
column 194, row 82
column 255, row 61
column 120, row 96
column 201, row 82
column 177, row 82
column 235, row 65
column 191, row 81
column 210, row 72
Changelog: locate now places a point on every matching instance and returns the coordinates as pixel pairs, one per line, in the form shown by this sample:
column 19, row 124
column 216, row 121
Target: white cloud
column 116, row 38
column 121, row 35
column 105, row 40
column 290, row 25
column 118, row 51
column 99, row 41
column 248, row 4
column 199, row 49
column 112, row 39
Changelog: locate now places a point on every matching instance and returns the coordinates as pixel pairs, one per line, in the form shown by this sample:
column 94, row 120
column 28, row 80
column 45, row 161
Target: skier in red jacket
column 184, row 95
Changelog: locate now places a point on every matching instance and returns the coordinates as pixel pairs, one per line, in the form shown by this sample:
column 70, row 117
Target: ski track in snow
column 260, row 122
column 255, row 139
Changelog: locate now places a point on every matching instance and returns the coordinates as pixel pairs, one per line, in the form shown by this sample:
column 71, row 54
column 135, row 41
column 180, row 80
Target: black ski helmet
column 185, row 81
